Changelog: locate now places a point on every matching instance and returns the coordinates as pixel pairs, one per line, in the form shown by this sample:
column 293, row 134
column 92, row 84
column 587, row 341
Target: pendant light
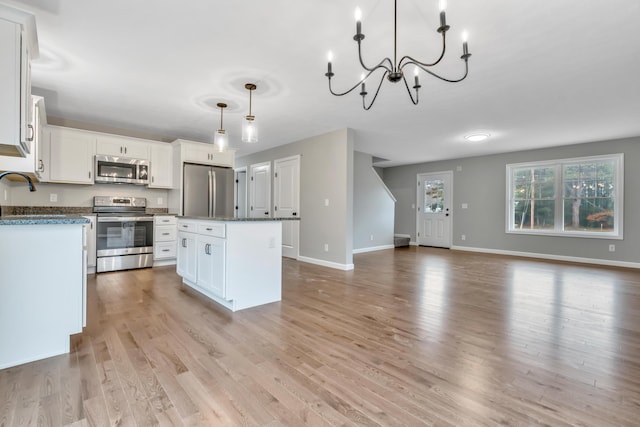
column 220, row 139
column 249, row 125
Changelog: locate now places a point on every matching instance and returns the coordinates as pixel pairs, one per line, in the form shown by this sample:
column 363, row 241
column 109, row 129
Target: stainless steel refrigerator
column 207, row 191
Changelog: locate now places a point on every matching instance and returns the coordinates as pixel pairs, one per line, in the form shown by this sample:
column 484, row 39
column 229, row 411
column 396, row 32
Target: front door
column 434, row 209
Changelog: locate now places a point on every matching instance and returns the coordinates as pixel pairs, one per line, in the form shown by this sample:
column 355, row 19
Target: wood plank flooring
column 413, row 336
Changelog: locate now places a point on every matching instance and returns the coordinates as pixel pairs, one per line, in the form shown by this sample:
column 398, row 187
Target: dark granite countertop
column 228, row 219
column 42, row 219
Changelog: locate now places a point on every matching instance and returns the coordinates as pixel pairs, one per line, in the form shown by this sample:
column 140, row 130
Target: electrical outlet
column 465, row 206
column 326, row 247
column 463, row 237
column 326, row 202
column 160, row 201
column 6, row 195
column 53, row 197
column 612, row 248
column 372, row 237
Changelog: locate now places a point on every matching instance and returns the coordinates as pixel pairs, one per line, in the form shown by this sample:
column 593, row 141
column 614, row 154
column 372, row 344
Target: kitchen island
column 237, row 262
column 42, row 286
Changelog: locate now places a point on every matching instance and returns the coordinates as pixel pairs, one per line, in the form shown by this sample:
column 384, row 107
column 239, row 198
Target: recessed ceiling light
column 477, row 137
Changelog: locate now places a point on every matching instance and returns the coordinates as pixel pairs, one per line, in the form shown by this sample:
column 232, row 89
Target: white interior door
column 241, row 193
column 434, row 209
column 260, row 190
column 286, row 201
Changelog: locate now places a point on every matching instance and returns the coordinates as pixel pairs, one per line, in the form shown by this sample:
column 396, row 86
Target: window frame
column 558, row 166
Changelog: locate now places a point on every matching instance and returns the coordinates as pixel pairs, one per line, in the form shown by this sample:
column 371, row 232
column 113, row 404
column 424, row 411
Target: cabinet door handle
column 294, row 213
column 165, row 234
column 41, row 165
column 184, row 243
column 89, row 174
column 125, row 150
column 209, row 228
column 33, row 133
column 266, row 213
column 207, row 249
column 166, row 250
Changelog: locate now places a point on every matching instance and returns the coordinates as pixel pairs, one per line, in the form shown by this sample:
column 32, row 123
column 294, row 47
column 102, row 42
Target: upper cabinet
column 71, row 154
column 161, row 165
column 205, row 154
column 121, row 146
column 18, row 45
column 32, row 164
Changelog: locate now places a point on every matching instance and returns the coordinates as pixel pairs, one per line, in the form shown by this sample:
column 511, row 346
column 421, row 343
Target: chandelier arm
column 466, row 71
column 376, row 94
column 424, row 64
column 415, row 102
column 358, row 83
column 380, row 64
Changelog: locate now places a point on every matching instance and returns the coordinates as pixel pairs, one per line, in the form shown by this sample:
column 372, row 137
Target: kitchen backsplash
column 67, row 210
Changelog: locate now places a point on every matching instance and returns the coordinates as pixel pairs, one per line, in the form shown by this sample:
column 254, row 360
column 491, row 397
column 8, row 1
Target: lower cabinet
column 237, row 264
column 164, row 239
column 211, row 263
column 186, row 256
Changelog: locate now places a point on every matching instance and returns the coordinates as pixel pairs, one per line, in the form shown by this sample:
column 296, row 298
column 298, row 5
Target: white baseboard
column 372, row 249
column 607, row 262
column 330, row 264
column 413, row 244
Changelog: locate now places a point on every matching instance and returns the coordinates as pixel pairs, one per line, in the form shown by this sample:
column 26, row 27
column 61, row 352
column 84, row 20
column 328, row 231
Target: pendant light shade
column 220, row 139
column 249, row 125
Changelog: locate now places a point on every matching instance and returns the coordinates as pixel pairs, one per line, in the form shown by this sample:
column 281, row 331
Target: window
column 578, row 197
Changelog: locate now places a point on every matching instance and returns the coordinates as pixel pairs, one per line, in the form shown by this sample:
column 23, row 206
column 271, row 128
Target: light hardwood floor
column 413, row 336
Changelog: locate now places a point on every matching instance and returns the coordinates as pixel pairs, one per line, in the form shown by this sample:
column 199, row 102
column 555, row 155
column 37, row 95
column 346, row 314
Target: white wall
column 373, row 207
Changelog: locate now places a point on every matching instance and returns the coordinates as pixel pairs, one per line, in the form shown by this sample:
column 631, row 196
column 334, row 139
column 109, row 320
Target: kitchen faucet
column 31, row 186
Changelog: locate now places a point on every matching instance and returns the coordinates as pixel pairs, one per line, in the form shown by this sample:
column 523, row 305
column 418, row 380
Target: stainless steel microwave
column 121, row 170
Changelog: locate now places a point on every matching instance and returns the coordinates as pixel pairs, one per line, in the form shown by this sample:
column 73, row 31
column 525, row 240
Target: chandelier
column 394, row 70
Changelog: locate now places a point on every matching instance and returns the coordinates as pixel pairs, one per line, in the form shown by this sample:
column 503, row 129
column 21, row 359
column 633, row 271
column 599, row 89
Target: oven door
column 124, row 235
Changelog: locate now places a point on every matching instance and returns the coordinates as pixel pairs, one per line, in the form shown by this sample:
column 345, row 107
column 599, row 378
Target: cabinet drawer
column 164, row 250
column 165, row 220
column 190, row 227
column 165, row 233
column 215, row 230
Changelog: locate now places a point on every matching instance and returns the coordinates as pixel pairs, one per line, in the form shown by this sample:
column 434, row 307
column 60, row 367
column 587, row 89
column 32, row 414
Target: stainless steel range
column 124, row 235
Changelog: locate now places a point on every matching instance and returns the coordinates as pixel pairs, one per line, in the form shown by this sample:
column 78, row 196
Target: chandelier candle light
column 249, row 126
column 220, row 139
column 394, row 70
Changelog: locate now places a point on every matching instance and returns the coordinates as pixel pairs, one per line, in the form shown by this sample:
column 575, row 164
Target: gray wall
column 326, row 172
column 481, row 183
column 373, row 207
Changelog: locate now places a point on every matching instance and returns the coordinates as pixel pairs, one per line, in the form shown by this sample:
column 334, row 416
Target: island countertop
column 42, row 219
column 231, row 219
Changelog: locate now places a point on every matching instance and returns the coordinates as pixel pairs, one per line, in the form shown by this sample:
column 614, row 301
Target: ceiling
column 543, row 73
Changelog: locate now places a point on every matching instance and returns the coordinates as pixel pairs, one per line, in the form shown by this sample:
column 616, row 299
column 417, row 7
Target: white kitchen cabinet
column 165, row 234
column 114, row 145
column 18, row 45
column 90, row 233
column 32, row 163
column 186, row 256
column 211, row 264
column 204, row 154
column 237, row 264
column 71, row 155
column 161, row 165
